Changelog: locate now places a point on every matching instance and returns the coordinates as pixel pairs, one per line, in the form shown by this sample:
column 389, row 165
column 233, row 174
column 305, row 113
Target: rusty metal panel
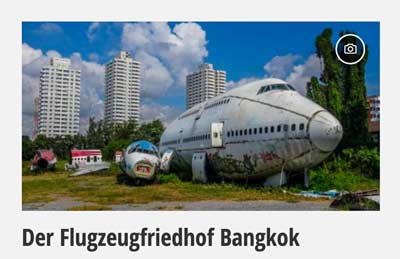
column 199, row 161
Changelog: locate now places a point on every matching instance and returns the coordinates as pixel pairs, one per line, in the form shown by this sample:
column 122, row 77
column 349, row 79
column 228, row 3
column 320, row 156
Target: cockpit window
column 267, row 88
column 140, row 150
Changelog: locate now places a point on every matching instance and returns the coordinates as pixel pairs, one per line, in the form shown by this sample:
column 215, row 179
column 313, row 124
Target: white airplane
column 260, row 131
column 141, row 161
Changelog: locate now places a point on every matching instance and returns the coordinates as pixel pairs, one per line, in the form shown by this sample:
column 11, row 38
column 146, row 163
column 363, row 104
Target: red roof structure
column 86, row 152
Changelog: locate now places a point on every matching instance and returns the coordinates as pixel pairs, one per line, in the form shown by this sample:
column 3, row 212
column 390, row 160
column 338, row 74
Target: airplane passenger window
column 241, row 132
column 272, row 129
column 229, row 133
column 236, row 132
column 249, row 131
column 245, row 132
column 293, row 127
column 278, row 129
column 285, row 127
column 266, row 130
column 260, row 130
column 255, row 131
column 301, row 126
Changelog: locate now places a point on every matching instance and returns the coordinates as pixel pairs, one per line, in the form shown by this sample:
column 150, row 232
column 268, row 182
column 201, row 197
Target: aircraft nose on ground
column 325, row 131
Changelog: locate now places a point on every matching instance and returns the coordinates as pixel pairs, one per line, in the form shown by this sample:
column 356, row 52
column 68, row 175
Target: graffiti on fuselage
column 250, row 165
column 268, row 156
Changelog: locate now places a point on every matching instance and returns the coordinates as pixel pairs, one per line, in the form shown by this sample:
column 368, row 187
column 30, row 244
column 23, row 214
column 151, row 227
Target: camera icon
column 350, row 49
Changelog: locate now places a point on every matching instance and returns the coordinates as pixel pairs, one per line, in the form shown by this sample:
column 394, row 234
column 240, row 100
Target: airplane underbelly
column 259, row 158
column 255, row 159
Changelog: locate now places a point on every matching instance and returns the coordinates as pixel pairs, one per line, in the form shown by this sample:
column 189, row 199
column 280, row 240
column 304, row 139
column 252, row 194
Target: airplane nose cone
column 325, row 131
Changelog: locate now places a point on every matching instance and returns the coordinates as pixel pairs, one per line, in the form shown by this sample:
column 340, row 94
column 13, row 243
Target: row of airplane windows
column 197, row 138
column 217, row 103
column 188, row 114
column 242, row 132
column 266, row 129
column 207, row 107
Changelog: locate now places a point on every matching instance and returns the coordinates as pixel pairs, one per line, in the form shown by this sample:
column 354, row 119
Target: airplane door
column 216, row 134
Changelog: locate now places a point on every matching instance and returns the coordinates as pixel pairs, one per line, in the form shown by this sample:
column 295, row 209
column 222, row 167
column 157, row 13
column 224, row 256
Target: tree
column 41, row 142
column 126, row 130
column 27, row 148
column 152, row 131
column 94, row 136
column 341, row 90
column 100, row 135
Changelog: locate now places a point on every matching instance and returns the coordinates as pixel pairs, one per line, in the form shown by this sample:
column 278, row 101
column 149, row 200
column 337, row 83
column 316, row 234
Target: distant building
column 204, row 84
column 122, row 93
column 118, row 156
column 374, row 116
column 86, row 157
column 59, row 99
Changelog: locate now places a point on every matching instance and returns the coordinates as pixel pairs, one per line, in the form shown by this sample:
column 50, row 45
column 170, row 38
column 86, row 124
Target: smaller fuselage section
column 141, row 160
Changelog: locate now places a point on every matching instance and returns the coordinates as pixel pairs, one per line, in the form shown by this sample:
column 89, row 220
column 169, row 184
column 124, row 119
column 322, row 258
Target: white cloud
column 281, row 66
column 48, row 28
column 165, row 113
column 91, row 33
column 94, row 57
column 29, row 54
column 167, row 55
column 284, row 67
column 232, row 84
column 92, row 85
column 92, row 88
column 155, row 77
column 301, row 74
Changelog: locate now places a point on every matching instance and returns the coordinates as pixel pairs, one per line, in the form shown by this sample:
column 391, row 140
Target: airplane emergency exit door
column 216, row 134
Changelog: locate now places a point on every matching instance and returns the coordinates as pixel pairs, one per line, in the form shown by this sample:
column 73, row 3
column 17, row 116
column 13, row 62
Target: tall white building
column 122, row 89
column 59, row 99
column 204, row 84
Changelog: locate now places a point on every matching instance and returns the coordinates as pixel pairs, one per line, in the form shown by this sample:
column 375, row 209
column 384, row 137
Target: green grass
column 323, row 180
column 103, row 188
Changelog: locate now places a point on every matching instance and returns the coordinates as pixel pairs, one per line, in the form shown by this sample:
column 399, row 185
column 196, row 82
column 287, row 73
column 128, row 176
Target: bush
column 351, row 170
column 325, row 180
column 364, row 160
column 115, row 145
column 168, row 178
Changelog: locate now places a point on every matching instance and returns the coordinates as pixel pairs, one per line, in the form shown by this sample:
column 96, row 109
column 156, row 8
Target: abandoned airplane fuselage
column 260, row 130
column 141, row 160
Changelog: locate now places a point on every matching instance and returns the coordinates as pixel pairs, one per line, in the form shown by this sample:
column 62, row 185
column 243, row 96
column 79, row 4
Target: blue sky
column 242, row 49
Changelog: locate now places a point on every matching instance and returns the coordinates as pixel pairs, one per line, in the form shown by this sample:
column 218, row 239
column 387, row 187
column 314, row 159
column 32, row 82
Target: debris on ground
column 87, row 169
column 318, row 194
column 86, row 161
column 44, row 160
column 362, row 200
